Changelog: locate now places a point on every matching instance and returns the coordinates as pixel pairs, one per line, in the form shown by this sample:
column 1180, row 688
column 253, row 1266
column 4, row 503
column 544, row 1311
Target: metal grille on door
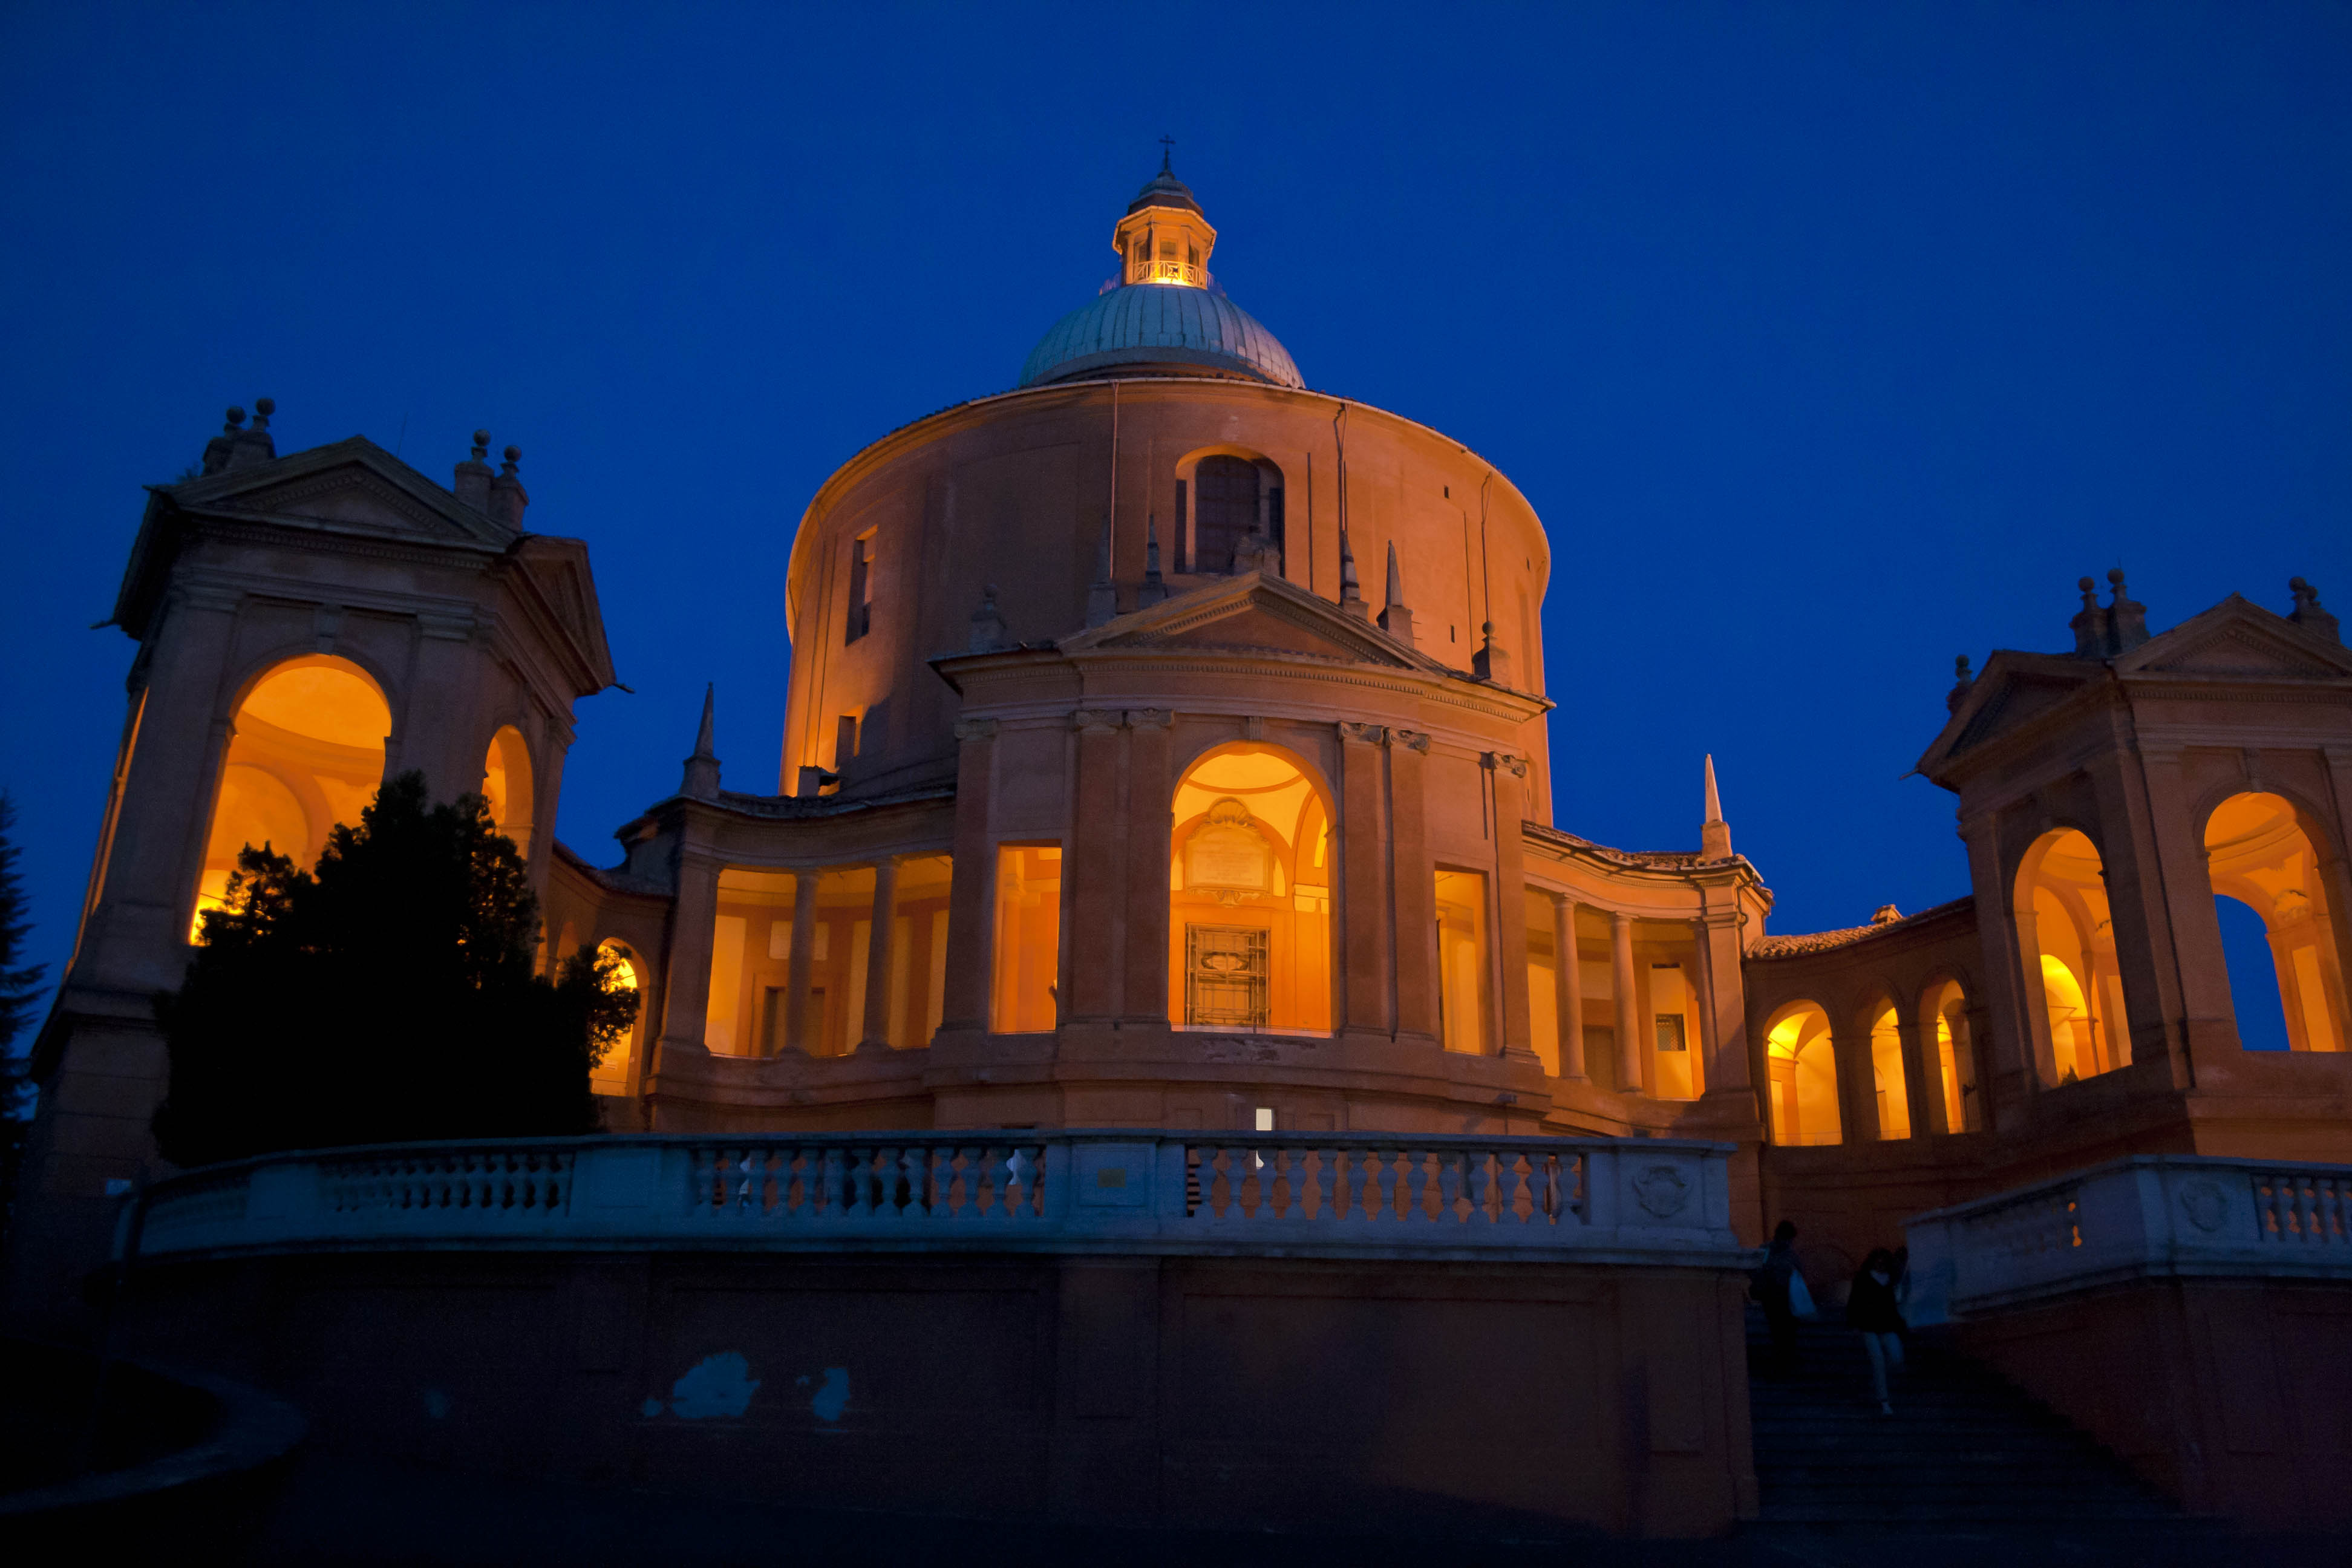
column 1225, row 970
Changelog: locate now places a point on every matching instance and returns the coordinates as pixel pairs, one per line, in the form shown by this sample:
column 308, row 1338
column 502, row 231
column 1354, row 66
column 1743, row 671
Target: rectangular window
column 1671, row 1076
column 844, row 741
column 1462, row 961
column 861, row 587
column 1026, row 996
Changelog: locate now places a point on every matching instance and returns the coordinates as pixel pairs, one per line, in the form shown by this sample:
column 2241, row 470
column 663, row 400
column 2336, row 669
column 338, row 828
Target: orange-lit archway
column 2066, row 939
column 2259, row 852
column 1804, row 1081
column 507, row 786
column 612, row 1074
column 1250, row 879
column 305, row 752
column 1951, row 1056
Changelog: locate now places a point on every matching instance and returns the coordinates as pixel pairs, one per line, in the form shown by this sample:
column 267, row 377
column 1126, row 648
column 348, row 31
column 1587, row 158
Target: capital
column 1098, row 720
column 1150, row 718
column 1363, row 734
column 1410, row 740
column 975, row 730
column 1504, row 762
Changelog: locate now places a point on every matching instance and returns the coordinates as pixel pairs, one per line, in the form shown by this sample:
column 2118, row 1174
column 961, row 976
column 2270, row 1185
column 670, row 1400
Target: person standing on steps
column 1772, row 1285
column 1870, row 1309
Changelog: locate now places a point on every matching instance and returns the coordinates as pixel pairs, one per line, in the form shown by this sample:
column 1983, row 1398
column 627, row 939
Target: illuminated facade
column 1107, row 798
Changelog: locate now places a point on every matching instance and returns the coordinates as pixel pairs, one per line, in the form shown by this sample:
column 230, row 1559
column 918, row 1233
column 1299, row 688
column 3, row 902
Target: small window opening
column 1265, row 1119
column 844, row 741
column 861, row 588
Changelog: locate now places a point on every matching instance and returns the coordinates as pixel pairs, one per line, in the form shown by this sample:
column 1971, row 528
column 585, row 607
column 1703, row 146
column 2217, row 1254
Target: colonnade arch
column 508, row 787
column 1252, row 862
column 306, row 752
column 1889, row 1083
column 1802, row 1067
column 2260, row 851
column 1949, row 1052
column 2066, row 945
column 611, row 1076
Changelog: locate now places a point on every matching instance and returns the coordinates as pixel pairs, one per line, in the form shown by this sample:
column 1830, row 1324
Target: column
column 686, row 968
column 2006, row 1077
column 1629, row 1021
column 1507, row 778
column 1922, row 1076
column 2168, row 938
column 1365, row 905
column 1702, row 986
column 1412, row 875
column 880, row 939
column 2334, row 875
column 1144, row 998
column 1857, row 1082
column 802, row 962
column 1730, row 1069
column 971, row 957
column 1568, row 989
column 1094, row 877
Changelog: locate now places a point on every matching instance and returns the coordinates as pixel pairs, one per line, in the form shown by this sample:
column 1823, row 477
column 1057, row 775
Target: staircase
column 1963, row 1448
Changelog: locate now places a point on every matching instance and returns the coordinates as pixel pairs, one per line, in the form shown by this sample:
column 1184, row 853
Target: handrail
column 1117, row 1189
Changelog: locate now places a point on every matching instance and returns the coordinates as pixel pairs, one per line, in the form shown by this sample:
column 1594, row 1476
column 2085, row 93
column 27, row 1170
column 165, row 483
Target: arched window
column 2067, row 939
column 2259, row 855
column 1804, row 1084
column 612, row 1074
column 506, row 785
column 1951, row 1056
column 1224, row 509
column 305, row 752
column 1893, row 1089
column 1250, row 880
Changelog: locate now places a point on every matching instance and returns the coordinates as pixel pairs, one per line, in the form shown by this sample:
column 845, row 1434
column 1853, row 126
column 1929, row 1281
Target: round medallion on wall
column 1662, row 1190
column 2205, row 1204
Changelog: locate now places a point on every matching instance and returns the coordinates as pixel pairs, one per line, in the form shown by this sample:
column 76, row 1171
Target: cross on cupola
column 1164, row 238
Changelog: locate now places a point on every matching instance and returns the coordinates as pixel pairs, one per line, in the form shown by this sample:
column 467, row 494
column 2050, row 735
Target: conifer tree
column 20, row 987
column 388, row 997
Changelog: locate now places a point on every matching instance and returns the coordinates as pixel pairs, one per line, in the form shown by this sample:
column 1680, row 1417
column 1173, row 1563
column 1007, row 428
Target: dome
column 1164, row 190
column 1164, row 324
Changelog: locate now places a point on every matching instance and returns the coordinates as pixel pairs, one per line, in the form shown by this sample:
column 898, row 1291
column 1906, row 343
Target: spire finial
column 1167, row 153
column 1351, row 592
column 1714, row 834
column 701, row 781
column 2307, row 613
column 1962, row 680
column 1154, row 589
column 1395, row 619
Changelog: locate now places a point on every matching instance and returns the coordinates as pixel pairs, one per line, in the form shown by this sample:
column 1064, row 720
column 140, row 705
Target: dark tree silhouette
column 388, row 998
column 20, row 987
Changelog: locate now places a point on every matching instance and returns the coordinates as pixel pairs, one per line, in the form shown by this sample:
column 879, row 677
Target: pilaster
column 1096, row 926
column 1507, row 779
column 1367, row 911
column 1568, row 989
column 881, row 940
column 801, row 975
column 686, row 968
column 1629, row 1011
column 973, row 887
column 1413, row 883
column 1150, row 823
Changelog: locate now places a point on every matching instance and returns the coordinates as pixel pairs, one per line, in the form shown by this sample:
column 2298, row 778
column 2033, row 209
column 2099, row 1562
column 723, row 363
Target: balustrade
column 1141, row 1191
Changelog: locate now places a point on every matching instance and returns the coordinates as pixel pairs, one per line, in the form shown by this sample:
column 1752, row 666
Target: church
column 1167, row 748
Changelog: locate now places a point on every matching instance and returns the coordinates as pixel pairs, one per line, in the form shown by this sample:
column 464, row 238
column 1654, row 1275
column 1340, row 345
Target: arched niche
column 507, row 786
column 1250, row 878
column 1889, row 1083
column 1801, row 1064
column 2260, row 852
column 2066, row 945
column 1950, row 1053
column 611, row 1076
column 305, row 753
column 1224, row 496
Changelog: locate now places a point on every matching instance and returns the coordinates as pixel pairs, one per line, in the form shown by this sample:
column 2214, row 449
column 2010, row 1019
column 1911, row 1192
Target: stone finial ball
column 236, row 414
column 2296, row 585
column 1486, row 629
column 989, row 591
column 265, row 406
column 2085, row 584
column 514, row 453
column 481, row 437
column 2116, row 575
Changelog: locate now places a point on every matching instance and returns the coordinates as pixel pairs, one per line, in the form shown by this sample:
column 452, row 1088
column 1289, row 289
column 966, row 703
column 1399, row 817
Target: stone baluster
column 1327, row 1180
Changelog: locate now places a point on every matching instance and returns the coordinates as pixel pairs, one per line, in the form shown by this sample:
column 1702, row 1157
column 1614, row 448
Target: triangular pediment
column 2013, row 690
column 558, row 569
column 1251, row 613
column 2239, row 640
column 351, row 485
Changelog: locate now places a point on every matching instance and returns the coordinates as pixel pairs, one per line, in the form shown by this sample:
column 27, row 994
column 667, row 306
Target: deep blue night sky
column 1829, row 341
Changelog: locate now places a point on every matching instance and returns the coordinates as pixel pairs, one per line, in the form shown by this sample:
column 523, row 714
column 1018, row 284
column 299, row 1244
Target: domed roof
column 1159, row 323
column 1165, row 190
